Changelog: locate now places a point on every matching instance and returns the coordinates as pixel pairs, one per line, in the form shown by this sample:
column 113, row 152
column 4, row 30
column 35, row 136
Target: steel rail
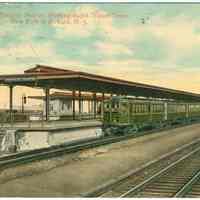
column 140, row 186
column 187, row 187
column 101, row 190
column 39, row 154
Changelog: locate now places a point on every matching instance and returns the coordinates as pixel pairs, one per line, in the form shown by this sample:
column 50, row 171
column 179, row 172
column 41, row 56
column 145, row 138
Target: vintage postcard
column 99, row 99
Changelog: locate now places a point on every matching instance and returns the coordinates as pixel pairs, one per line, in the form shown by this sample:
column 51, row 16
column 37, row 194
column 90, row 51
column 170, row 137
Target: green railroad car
column 124, row 115
column 194, row 111
column 176, row 112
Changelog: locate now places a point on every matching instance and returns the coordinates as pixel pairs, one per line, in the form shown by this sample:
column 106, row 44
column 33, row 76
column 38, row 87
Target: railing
column 38, row 119
column 10, row 119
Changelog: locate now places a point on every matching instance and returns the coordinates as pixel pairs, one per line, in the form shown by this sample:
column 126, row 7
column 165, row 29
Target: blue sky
column 151, row 43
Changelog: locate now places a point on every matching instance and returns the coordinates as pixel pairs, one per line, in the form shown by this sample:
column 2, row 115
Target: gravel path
column 77, row 173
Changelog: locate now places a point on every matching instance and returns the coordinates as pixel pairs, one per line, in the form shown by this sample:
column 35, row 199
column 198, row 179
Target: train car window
column 141, row 108
column 112, row 105
column 156, row 108
column 117, row 105
column 107, row 105
column 132, row 107
column 175, row 108
column 182, row 108
column 161, row 108
column 136, row 108
column 146, row 108
column 153, row 108
column 172, row 108
column 123, row 106
column 178, row 109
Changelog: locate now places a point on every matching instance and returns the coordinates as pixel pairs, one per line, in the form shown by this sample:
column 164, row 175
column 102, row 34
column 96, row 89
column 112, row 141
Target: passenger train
column 123, row 115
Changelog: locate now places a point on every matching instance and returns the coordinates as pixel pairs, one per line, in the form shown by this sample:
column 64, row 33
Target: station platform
column 52, row 125
column 49, row 134
column 74, row 174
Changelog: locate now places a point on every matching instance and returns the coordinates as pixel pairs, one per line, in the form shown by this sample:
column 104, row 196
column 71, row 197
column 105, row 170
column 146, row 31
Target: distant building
column 60, row 104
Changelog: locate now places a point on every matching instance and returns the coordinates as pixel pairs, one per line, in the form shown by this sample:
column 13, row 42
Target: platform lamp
column 23, row 101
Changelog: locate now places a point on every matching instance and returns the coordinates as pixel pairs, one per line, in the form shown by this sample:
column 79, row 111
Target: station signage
column 19, row 80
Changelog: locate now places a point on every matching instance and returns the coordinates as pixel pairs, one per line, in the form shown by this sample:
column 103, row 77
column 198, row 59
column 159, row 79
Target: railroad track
column 58, row 150
column 194, row 190
column 173, row 181
column 179, row 179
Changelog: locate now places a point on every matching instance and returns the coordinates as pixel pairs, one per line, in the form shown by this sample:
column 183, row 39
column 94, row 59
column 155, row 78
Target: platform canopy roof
column 51, row 77
column 69, row 96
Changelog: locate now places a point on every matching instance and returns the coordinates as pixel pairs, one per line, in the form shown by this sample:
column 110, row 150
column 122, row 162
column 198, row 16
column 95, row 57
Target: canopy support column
column 11, row 102
column 82, row 105
column 79, row 104
column 95, row 105
column 102, row 105
column 47, row 92
column 73, row 104
column 88, row 106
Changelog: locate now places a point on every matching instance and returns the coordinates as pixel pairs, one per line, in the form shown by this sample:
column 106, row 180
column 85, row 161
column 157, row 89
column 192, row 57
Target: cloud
column 109, row 48
column 189, row 58
column 26, row 50
column 26, row 53
column 168, row 35
column 83, row 21
column 149, row 47
column 170, row 75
